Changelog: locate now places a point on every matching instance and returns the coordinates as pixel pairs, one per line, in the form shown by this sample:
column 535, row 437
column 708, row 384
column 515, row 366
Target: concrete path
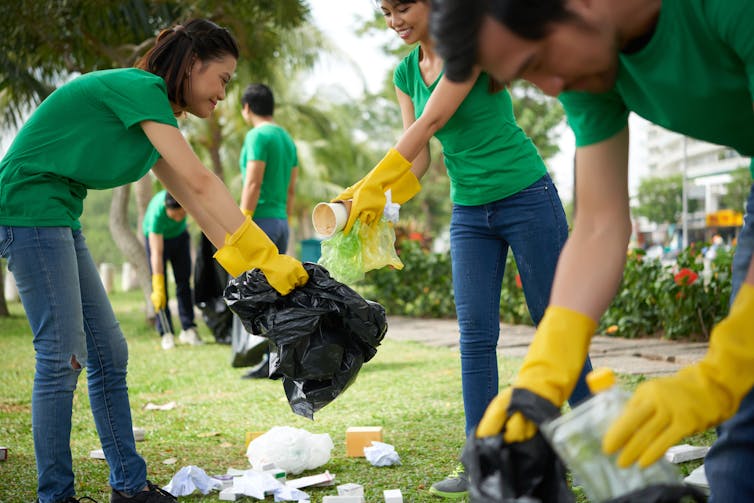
column 651, row 357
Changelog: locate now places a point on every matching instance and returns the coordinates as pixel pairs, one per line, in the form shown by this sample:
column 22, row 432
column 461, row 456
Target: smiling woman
column 102, row 130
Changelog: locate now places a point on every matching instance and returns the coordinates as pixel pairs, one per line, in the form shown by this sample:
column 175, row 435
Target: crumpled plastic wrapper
column 291, row 449
column 381, row 454
column 189, row 479
column 256, row 484
column 320, row 334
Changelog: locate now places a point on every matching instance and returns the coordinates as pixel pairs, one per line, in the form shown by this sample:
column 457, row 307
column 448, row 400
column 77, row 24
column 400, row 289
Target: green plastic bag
column 367, row 247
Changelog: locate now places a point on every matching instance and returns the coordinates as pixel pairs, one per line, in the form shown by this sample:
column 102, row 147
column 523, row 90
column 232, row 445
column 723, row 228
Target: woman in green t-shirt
column 502, row 199
column 101, row 130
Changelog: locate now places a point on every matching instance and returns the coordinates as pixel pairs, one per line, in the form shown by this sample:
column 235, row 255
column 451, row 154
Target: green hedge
column 672, row 300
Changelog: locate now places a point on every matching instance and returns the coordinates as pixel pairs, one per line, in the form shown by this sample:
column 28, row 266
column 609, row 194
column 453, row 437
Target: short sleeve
column 135, row 96
column 256, row 146
column 400, row 77
column 732, row 20
column 594, row 117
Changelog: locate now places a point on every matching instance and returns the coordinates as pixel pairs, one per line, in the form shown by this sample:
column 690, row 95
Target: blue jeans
column 533, row 225
column 276, row 229
column 73, row 326
column 729, row 463
column 177, row 251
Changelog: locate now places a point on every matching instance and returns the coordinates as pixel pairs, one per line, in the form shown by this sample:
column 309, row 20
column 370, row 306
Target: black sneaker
column 152, row 494
column 454, row 486
column 71, row 499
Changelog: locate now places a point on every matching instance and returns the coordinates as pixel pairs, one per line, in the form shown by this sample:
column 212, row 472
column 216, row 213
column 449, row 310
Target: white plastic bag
column 291, row 449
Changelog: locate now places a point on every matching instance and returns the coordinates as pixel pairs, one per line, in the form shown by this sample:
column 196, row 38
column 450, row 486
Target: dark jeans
column 177, row 251
column 533, row 225
column 276, row 229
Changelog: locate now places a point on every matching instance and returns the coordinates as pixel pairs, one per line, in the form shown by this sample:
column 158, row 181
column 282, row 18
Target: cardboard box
column 393, row 496
column 350, row 489
column 358, row 437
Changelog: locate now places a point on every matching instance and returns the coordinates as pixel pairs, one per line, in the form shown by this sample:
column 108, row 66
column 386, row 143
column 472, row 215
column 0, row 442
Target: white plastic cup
column 329, row 218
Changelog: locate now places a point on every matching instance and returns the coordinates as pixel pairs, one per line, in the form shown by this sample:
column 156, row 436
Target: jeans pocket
column 6, row 238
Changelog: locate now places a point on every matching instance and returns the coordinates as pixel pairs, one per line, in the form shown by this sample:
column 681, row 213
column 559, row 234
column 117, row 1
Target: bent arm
column 199, row 191
column 442, row 104
column 591, row 264
column 156, row 248
column 252, row 185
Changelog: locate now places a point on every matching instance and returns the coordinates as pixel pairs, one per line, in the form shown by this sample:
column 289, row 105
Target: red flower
column 685, row 277
column 518, row 281
column 416, row 236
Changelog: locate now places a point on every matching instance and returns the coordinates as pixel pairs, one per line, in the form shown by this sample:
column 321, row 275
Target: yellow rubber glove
column 369, row 193
column 403, row 189
column 663, row 411
column 249, row 248
column 247, row 213
column 551, row 368
column 158, row 296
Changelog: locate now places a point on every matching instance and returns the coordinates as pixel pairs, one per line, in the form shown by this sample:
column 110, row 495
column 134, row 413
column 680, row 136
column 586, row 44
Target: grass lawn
column 411, row 390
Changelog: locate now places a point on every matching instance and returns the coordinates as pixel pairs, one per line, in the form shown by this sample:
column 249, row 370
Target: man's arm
column 291, row 192
column 156, row 247
column 252, row 184
column 591, row 264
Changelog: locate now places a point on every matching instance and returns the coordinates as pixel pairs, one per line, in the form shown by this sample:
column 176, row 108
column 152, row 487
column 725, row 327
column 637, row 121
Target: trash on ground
column 97, row 454
column 350, row 489
column 382, row 454
column 259, row 484
column 139, row 434
column 393, row 496
column 291, row 449
column 191, row 478
column 359, row 437
column 319, row 480
column 685, row 452
column 3, row 453
column 153, row 406
column 342, row 499
column 698, row 479
column 320, row 334
column 169, row 461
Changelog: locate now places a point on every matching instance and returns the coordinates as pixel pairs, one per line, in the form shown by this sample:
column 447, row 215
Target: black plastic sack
column 209, row 283
column 320, row 334
column 665, row 493
column 520, row 472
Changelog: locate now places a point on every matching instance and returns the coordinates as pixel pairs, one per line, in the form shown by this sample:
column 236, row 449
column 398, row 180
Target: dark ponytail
column 177, row 48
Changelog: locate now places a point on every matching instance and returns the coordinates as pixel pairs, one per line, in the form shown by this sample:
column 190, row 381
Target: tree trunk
column 216, row 139
column 143, row 193
column 128, row 242
column 3, row 305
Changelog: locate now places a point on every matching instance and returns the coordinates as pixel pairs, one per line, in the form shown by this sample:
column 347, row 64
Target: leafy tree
column 661, row 199
column 737, row 190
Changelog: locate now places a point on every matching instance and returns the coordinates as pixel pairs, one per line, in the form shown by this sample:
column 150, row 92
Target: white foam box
column 358, row 437
column 342, row 499
column 350, row 489
column 685, row 452
column 228, row 494
column 393, row 496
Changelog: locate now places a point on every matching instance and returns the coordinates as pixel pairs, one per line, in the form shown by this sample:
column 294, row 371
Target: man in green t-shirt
column 168, row 240
column 686, row 65
column 269, row 166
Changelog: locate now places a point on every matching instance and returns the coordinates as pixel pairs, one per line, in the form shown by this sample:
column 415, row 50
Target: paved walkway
column 651, row 357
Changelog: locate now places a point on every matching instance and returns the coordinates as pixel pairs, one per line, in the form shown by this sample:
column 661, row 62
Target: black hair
column 260, row 99
column 455, row 26
column 170, row 202
column 177, row 48
column 378, row 3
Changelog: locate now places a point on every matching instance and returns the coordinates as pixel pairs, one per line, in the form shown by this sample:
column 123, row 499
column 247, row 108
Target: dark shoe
column 152, row 494
column 260, row 371
column 455, row 486
column 71, row 499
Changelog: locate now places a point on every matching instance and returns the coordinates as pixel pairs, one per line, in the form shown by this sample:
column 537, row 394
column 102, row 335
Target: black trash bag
column 519, row 472
column 209, row 282
column 320, row 334
column 663, row 493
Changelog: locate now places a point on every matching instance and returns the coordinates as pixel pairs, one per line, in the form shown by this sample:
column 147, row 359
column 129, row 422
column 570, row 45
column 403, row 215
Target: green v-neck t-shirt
column 85, row 135
column 487, row 155
column 695, row 76
column 157, row 221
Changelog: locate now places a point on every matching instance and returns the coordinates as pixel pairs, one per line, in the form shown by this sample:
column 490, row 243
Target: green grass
column 413, row 391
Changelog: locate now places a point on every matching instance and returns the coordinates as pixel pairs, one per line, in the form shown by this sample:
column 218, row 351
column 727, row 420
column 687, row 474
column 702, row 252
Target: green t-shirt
column 157, row 221
column 695, row 76
column 487, row 155
column 85, row 135
column 273, row 145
